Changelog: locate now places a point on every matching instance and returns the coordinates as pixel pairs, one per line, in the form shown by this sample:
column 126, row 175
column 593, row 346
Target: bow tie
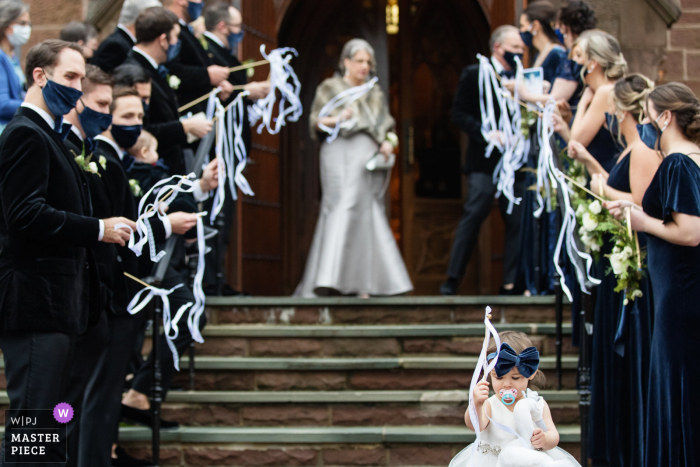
column 163, row 71
column 507, row 74
column 527, row 362
column 62, row 128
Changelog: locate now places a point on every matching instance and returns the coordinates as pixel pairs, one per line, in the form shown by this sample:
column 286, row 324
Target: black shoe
column 125, row 460
column 449, row 287
column 144, row 418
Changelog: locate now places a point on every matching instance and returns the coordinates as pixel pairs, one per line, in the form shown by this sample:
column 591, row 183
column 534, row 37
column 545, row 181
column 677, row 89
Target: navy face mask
column 126, row 135
column 649, row 134
column 59, row 99
column 527, row 38
column 560, row 35
column 94, row 123
column 575, row 69
column 509, row 57
column 174, row 51
column 233, row 40
column 194, row 10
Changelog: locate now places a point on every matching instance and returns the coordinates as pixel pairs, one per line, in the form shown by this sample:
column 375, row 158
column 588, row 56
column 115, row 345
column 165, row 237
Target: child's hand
column 481, row 393
column 538, row 438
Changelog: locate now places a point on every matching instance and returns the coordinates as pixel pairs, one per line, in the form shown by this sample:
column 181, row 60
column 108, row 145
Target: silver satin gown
column 353, row 250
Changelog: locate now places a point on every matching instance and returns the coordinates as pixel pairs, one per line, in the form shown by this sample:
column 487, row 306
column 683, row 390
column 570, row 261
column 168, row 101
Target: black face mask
column 126, row 135
column 576, row 69
column 509, row 57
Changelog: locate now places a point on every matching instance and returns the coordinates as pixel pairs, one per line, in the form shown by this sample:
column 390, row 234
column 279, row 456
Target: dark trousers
column 142, row 379
column 103, row 394
column 35, row 365
column 476, row 210
column 219, row 243
column 86, row 352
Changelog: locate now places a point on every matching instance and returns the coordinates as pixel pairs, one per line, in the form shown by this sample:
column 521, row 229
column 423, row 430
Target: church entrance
column 421, row 47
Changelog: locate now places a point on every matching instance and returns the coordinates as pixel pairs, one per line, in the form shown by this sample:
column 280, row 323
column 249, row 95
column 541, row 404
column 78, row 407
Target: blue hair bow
column 526, row 363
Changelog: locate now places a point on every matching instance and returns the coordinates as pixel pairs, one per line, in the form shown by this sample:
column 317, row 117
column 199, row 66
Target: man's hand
column 120, row 236
column 181, row 222
column 217, row 74
column 197, row 126
column 538, row 439
column 226, row 90
column 258, row 90
column 210, row 176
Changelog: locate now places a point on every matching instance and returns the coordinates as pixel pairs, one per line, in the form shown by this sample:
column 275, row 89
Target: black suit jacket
column 222, row 57
column 191, row 67
column 466, row 115
column 48, row 276
column 163, row 119
column 113, row 51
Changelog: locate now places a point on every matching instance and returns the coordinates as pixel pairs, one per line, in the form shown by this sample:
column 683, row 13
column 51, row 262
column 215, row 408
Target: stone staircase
column 345, row 382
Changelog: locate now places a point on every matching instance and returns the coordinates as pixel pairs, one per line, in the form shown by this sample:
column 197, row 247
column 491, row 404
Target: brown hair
column 145, row 140
column 578, row 16
column 680, row 100
column 630, row 94
column 154, row 22
column 119, row 92
column 45, row 55
column 543, row 12
column 519, row 342
column 95, row 76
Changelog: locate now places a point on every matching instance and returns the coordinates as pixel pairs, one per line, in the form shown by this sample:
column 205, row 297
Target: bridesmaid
column 603, row 64
column 671, row 219
column 353, row 251
column 631, row 338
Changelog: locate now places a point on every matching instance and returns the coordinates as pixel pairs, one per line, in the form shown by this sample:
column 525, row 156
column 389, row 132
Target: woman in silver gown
column 353, row 251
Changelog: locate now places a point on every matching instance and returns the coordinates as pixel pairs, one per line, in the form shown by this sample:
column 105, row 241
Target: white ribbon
column 147, row 211
column 169, row 324
column 235, row 119
column 342, row 100
column 198, row 308
column 221, row 151
column 280, row 73
column 482, row 364
column 488, row 86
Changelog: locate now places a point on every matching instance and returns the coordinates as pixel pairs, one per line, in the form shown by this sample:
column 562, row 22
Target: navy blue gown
column 673, row 422
column 626, row 390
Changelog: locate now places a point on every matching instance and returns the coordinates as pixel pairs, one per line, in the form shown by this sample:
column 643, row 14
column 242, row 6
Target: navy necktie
column 163, row 71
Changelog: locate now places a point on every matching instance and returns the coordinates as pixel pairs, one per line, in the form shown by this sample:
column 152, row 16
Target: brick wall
column 683, row 48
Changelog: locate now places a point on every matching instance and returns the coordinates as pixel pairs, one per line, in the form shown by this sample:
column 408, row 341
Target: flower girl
column 515, row 424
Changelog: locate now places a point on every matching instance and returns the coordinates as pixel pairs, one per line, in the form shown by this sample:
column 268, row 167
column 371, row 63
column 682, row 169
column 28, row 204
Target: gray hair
column 132, row 8
column 215, row 14
column 500, row 33
column 10, row 10
column 353, row 46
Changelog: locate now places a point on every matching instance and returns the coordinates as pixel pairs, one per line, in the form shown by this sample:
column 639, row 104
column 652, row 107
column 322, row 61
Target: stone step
column 387, row 310
column 314, row 446
column 366, row 340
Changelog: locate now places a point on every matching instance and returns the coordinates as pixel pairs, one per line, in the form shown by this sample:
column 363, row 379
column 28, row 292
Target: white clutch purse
column 378, row 162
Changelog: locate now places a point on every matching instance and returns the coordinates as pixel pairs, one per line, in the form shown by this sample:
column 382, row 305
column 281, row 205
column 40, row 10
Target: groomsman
column 113, row 51
column 466, row 114
column 157, row 31
column 49, row 284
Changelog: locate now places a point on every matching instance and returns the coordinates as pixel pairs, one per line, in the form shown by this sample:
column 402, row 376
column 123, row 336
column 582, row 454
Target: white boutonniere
column 174, row 82
column 135, row 188
column 103, row 162
column 84, row 163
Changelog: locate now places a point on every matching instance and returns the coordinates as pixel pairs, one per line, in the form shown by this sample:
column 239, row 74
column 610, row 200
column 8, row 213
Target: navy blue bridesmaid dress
column 626, row 391
column 673, row 409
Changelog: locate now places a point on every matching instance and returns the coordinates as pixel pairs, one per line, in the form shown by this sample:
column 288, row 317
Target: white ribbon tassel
column 280, row 73
column 482, row 364
column 342, row 100
column 236, row 121
column 169, row 324
column 198, row 308
column 221, row 150
column 147, row 211
column 488, row 87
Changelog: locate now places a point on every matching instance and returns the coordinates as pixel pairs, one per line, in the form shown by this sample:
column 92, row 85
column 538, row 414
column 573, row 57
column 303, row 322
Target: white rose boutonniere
column 103, row 162
column 174, row 82
column 85, row 164
column 135, row 188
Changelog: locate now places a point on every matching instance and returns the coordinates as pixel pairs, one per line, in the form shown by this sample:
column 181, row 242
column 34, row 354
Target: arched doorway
column 419, row 68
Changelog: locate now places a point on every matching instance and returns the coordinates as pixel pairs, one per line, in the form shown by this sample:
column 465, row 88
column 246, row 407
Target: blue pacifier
column 508, row 396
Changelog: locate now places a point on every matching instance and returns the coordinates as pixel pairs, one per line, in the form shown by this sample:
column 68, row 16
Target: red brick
column 456, row 346
column 686, row 4
column 285, row 347
column 565, row 414
column 370, row 456
column 360, row 347
column 250, row 457
column 222, row 346
column 168, row 455
column 673, row 66
column 474, row 314
column 202, row 415
column 285, row 416
column 400, row 379
column 3, row 381
column 689, row 18
column 687, row 38
column 401, row 456
column 306, row 316
column 236, row 315
column 416, row 415
column 322, row 381
column 693, row 64
column 218, row 381
column 694, row 86
column 53, row 12
column 550, row 347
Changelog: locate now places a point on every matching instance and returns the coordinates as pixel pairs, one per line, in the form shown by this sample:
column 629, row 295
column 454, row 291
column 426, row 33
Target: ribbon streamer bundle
column 342, row 100
column 280, row 74
column 483, row 364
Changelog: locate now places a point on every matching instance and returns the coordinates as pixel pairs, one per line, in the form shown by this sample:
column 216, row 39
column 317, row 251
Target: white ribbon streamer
column 221, row 151
column 169, row 324
column 236, row 121
column 482, row 364
column 342, row 100
column 280, row 73
column 198, row 308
